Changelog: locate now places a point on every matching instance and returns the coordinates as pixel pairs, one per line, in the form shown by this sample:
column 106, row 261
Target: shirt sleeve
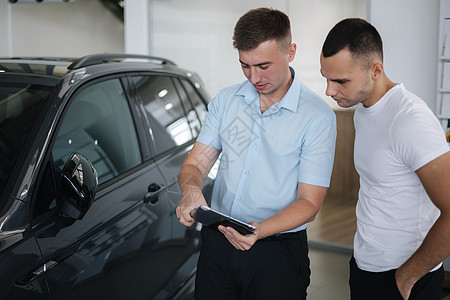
column 317, row 151
column 210, row 131
column 418, row 138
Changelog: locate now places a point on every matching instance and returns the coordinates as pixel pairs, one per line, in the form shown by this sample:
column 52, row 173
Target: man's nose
column 331, row 89
column 254, row 76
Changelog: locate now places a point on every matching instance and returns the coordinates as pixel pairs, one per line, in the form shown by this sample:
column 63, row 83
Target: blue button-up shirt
column 265, row 155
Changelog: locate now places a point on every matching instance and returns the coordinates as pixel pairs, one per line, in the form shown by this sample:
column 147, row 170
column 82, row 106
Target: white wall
column 137, row 23
column 58, row 29
column 409, row 29
column 5, row 29
column 197, row 35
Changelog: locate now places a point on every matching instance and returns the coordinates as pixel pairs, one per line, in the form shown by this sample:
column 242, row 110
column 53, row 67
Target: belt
column 283, row 235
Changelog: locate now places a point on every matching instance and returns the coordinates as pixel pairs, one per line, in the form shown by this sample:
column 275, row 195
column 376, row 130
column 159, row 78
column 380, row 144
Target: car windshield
column 20, row 107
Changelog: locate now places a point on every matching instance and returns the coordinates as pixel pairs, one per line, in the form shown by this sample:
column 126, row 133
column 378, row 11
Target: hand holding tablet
column 212, row 218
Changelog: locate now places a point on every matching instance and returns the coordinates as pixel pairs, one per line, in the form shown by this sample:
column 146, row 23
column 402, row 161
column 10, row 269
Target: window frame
column 176, row 81
column 49, row 161
column 34, row 136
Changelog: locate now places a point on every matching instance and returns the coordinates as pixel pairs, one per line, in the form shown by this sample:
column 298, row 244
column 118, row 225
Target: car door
column 22, row 104
column 117, row 250
column 174, row 112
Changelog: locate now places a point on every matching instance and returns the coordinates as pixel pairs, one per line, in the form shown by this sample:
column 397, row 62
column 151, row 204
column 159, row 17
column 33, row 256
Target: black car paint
column 125, row 246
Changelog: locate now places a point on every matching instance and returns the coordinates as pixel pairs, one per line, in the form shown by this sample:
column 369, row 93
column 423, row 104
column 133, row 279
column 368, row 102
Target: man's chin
column 341, row 103
column 263, row 92
column 344, row 104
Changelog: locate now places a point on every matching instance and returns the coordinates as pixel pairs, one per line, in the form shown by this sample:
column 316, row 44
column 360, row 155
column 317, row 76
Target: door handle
column 152, row 195
column 29, row 278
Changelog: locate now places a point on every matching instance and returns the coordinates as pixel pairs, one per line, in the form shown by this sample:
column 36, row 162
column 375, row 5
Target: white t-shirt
column 394, row 137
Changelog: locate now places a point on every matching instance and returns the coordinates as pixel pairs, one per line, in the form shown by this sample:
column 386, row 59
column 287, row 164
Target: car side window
column 195, row 99
column 198, row 110
column 99, row 125
column 172, row 118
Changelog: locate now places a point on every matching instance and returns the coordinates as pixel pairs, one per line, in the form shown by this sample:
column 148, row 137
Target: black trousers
column 366, row 285
column 274, row 268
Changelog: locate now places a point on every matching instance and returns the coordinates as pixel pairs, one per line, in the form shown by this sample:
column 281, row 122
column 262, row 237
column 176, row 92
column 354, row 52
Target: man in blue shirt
column 277, row 141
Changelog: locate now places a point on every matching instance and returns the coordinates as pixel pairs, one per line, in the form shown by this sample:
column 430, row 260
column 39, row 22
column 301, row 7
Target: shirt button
column 239, row 198
column 246, row 172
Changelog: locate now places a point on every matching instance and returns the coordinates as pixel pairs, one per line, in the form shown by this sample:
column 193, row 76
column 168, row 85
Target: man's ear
column 377, row 70
column 292, row 51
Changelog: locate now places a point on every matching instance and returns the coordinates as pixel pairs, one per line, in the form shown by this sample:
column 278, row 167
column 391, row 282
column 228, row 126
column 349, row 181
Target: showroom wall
column 58, row 29
column 196, row 34
column 409, row 29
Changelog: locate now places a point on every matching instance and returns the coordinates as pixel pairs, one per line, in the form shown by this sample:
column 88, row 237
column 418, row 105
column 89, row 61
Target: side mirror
column 78, row 185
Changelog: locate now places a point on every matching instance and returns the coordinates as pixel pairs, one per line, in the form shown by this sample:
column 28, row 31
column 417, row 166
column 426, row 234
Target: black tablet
column 212, row 218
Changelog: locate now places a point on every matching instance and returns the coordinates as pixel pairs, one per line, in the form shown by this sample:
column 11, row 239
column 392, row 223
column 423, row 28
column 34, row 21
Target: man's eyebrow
column 340, row 81
column 344, row 80
column 257, row 65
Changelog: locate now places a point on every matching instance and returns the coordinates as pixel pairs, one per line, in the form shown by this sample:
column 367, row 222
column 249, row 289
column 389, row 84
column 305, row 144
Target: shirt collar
column 289, row 101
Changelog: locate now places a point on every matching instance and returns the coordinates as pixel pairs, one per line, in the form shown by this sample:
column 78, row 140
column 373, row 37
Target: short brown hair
column 260, row 25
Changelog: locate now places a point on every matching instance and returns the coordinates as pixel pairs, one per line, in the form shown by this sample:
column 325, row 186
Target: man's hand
column 299, row 212
column 403, row 286
column 191, row 178
column 435, row 177
column 240, row 241
column 192, row 199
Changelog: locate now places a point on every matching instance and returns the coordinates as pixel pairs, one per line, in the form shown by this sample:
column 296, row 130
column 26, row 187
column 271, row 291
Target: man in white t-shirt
column 403, row 160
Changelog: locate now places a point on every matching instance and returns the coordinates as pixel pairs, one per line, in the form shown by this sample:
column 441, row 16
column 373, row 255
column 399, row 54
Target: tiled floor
column 335, row 224
column 329, row 274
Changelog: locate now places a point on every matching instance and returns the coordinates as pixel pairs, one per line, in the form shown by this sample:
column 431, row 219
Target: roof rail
column 38, row 58
column 95, row 59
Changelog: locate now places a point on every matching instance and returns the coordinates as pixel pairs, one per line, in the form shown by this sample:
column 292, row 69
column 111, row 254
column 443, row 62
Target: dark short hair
column 360, row 37
column 260, row 25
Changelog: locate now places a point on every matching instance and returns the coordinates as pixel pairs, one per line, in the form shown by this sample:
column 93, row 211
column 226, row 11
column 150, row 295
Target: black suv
column 90, row 151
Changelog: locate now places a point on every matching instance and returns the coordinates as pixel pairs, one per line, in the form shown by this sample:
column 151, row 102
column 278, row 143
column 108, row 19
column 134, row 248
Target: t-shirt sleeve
column 317, row 151
column 418, row 138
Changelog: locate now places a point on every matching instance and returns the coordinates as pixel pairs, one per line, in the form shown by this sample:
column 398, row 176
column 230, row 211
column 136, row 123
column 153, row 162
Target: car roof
column 60, row 67
column 74, row 71
column 70, row 73
column 35, row 65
